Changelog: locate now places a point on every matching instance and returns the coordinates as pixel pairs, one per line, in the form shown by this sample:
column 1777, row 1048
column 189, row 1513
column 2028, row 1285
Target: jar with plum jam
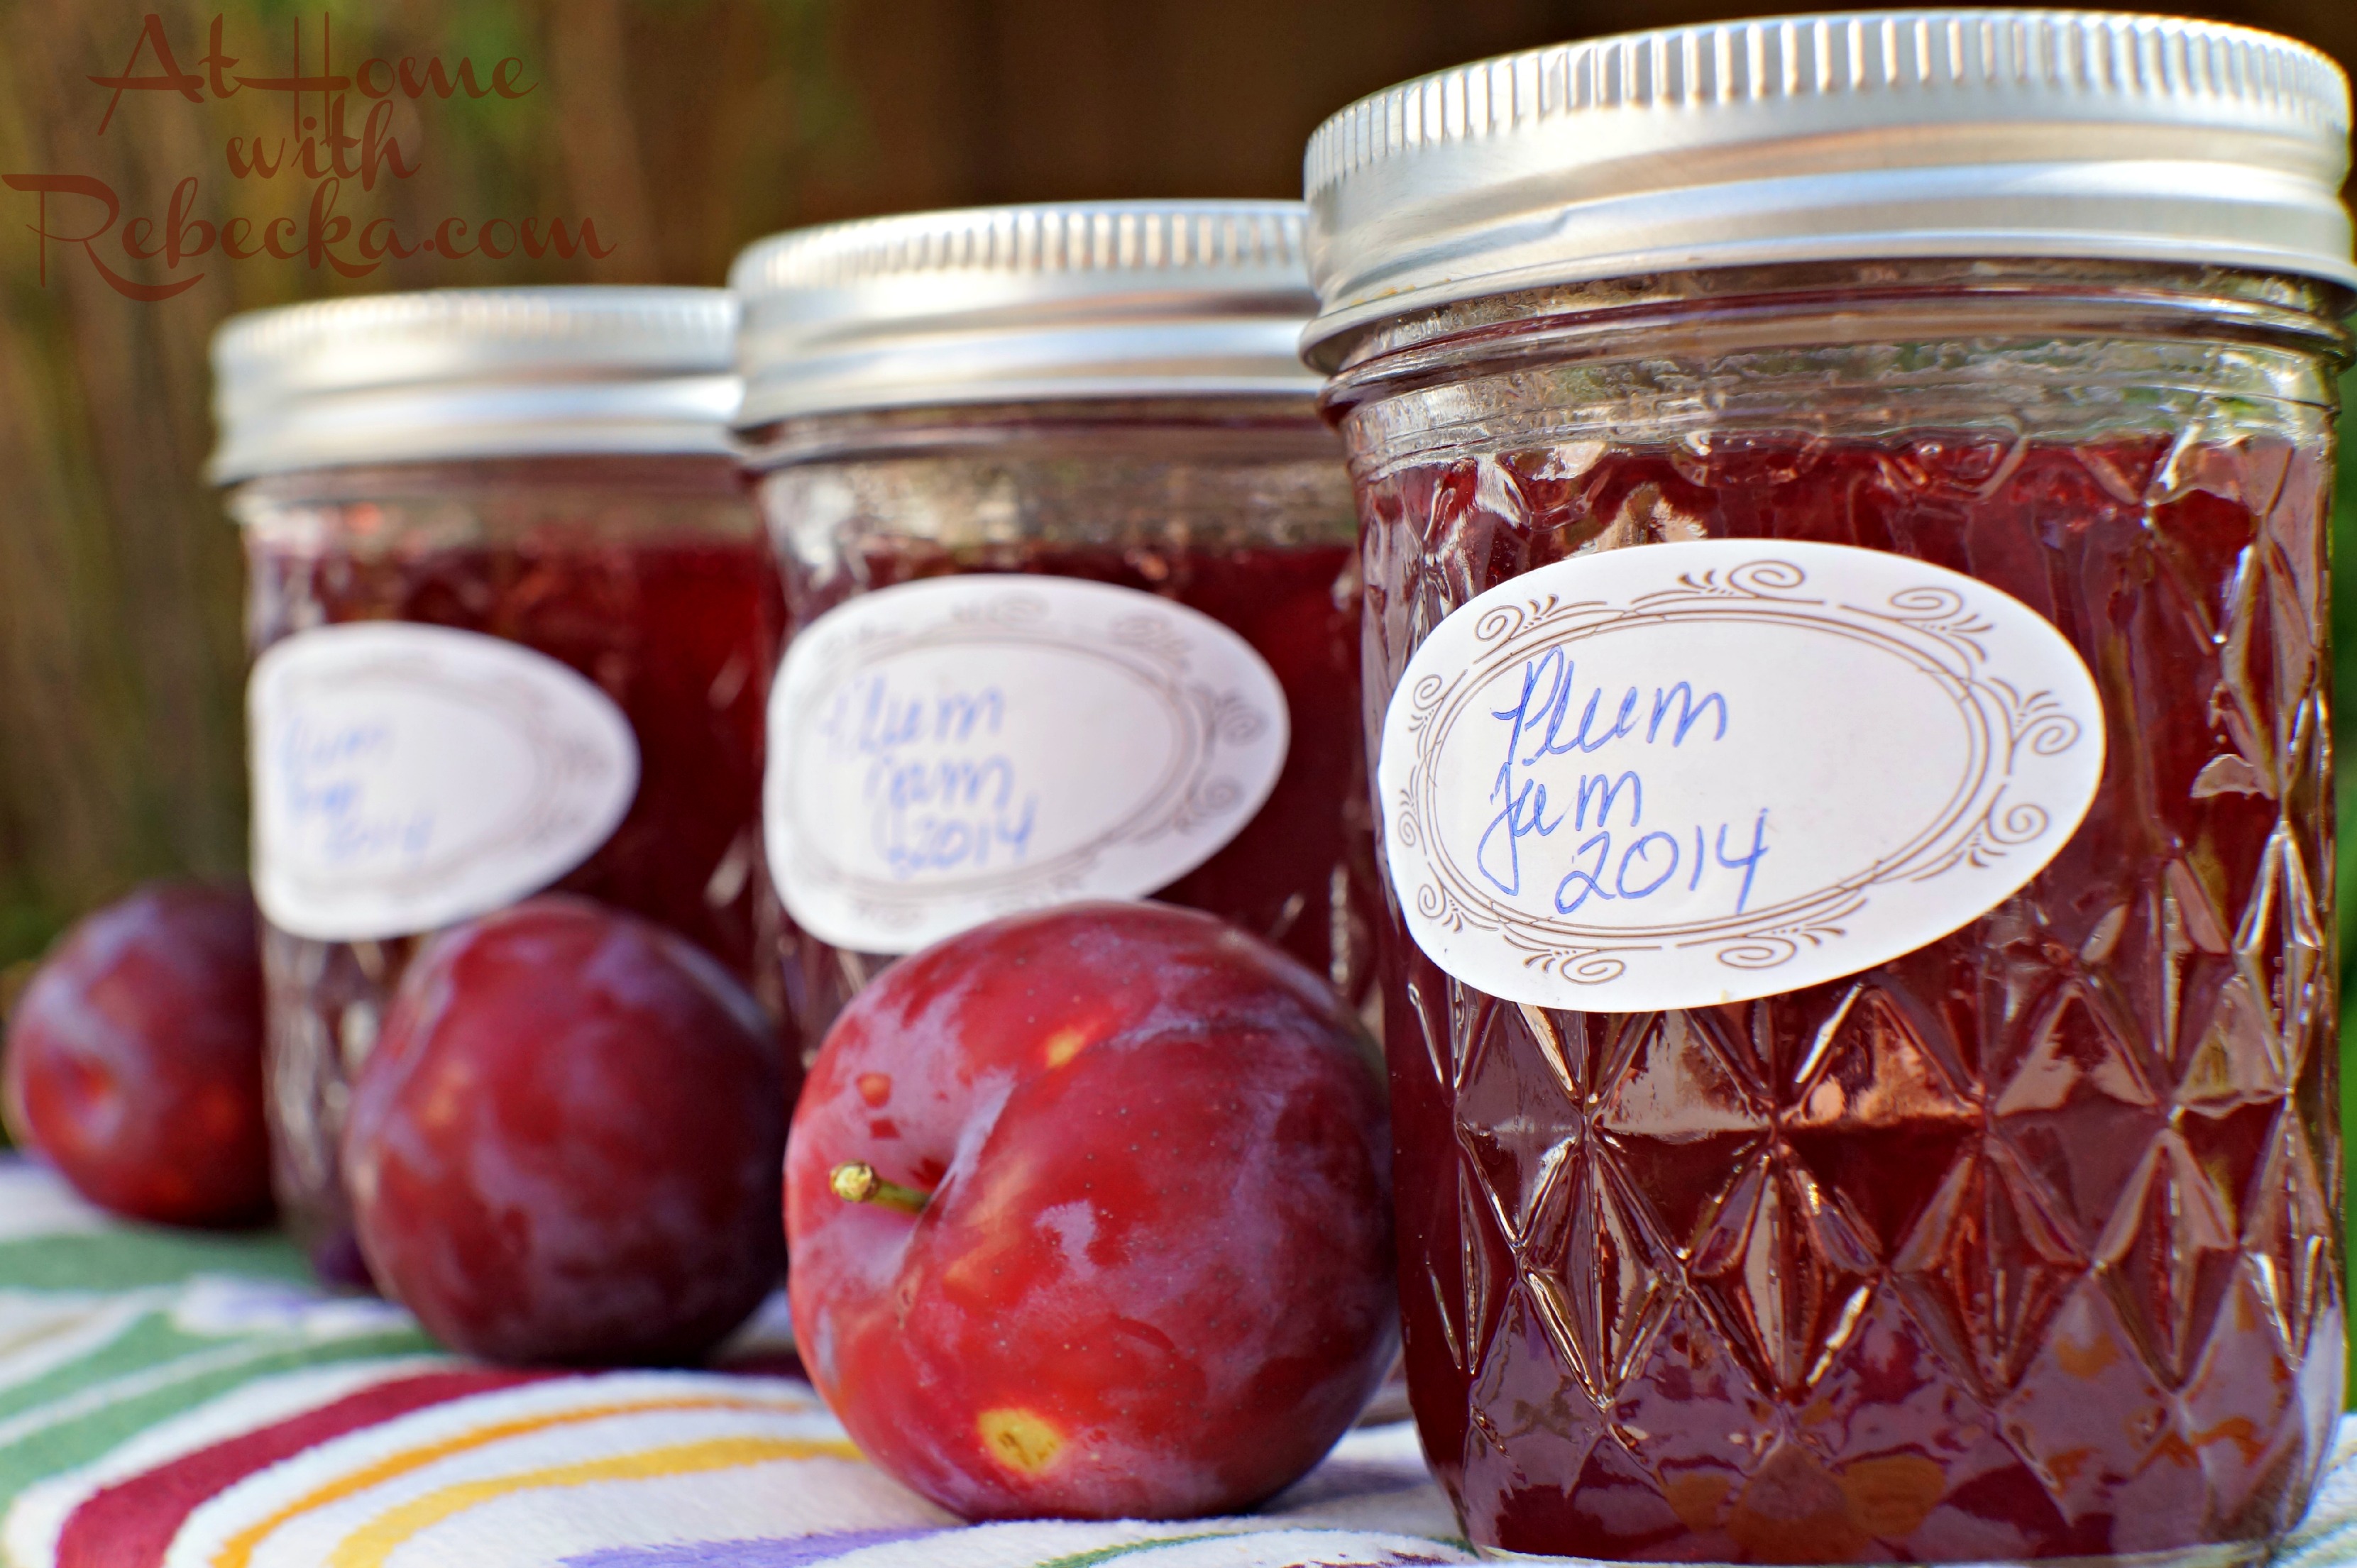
column 1843, row 508
column 513, row 625
column 1068, row 559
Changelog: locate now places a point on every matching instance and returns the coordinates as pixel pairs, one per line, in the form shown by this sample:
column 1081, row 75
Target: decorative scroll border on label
column 1136, row 820
column 2032, row 752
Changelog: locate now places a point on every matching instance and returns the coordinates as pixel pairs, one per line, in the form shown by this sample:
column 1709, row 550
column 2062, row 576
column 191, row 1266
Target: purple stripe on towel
column 787, row 1551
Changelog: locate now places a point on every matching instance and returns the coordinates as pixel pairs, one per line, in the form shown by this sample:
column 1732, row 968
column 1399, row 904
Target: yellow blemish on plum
column 448, row 1093
column 1019, row 1439
column 1064, row 1045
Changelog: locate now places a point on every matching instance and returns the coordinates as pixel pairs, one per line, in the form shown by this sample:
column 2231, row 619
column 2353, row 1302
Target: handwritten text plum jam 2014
column 1644, row 857
column 943, row 797
column 322, row 147
column 1706, row 772
column 324, row 771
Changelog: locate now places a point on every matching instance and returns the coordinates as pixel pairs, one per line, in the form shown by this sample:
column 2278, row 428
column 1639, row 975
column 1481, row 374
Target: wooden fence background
column 685, row 128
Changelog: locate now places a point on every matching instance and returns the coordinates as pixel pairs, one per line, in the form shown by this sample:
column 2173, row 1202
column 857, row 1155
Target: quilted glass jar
column 514, row 624
column 2008, row 1226
column 1058, row 470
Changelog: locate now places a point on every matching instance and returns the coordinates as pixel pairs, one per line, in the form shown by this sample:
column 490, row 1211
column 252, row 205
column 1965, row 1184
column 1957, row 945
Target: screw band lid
column 1962, row 132
column 1018, row 304
column 461, row 373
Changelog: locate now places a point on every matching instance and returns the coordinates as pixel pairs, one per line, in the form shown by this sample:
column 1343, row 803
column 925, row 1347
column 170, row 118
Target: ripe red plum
column 565, row 1144
column 133, row 1058
column 1150, row 1274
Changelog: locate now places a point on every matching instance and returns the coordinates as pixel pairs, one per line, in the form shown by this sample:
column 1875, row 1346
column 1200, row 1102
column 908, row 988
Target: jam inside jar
column 1236, row 510
column 2024, row 1244
column 645, row 576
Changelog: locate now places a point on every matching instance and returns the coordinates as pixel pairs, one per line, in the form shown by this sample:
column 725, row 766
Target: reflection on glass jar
column 2014, row 1237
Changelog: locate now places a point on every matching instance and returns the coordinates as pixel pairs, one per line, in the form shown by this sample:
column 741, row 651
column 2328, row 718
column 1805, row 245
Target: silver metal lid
column 1015, row 304
column 460, row 373
column 1871, row 134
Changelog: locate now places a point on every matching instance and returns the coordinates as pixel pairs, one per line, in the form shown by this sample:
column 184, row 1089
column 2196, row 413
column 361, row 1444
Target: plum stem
column 856, row 1181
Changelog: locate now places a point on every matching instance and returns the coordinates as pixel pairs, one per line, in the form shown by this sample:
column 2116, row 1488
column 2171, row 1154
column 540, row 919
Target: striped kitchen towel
column 172, row 1400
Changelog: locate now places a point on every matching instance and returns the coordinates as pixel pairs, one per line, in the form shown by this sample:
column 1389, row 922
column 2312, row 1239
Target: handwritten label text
column 1646, row 856
column 942, row 792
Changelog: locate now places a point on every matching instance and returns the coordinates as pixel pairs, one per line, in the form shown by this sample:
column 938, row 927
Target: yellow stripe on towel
column 238, row 1550
column 369, row 1546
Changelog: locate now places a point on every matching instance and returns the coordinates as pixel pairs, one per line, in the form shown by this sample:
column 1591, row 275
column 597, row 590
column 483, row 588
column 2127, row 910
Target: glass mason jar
column 514, row 628
column 1845, row 681
column 1106, row 401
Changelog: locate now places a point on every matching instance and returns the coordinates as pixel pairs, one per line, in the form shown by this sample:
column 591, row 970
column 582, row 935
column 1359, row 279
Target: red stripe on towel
column 131, row 1524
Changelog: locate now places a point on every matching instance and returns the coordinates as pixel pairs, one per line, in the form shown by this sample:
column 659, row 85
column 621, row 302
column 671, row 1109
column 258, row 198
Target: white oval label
column 1681, row 774
column 406, row 776
column 953, row 749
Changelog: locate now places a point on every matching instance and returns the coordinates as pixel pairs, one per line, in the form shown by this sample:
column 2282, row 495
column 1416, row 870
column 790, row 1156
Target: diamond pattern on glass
column 2086, row 1414
column 1487, row 1265
column 1783, row 1273
column 1680, row 1123
column 1877, row 1121
column 2077, row 1110
column 2168, row 1257
column 1514, row 1112
column 2018, row 1246
column 1602, row 1279
column 1989, row 1317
